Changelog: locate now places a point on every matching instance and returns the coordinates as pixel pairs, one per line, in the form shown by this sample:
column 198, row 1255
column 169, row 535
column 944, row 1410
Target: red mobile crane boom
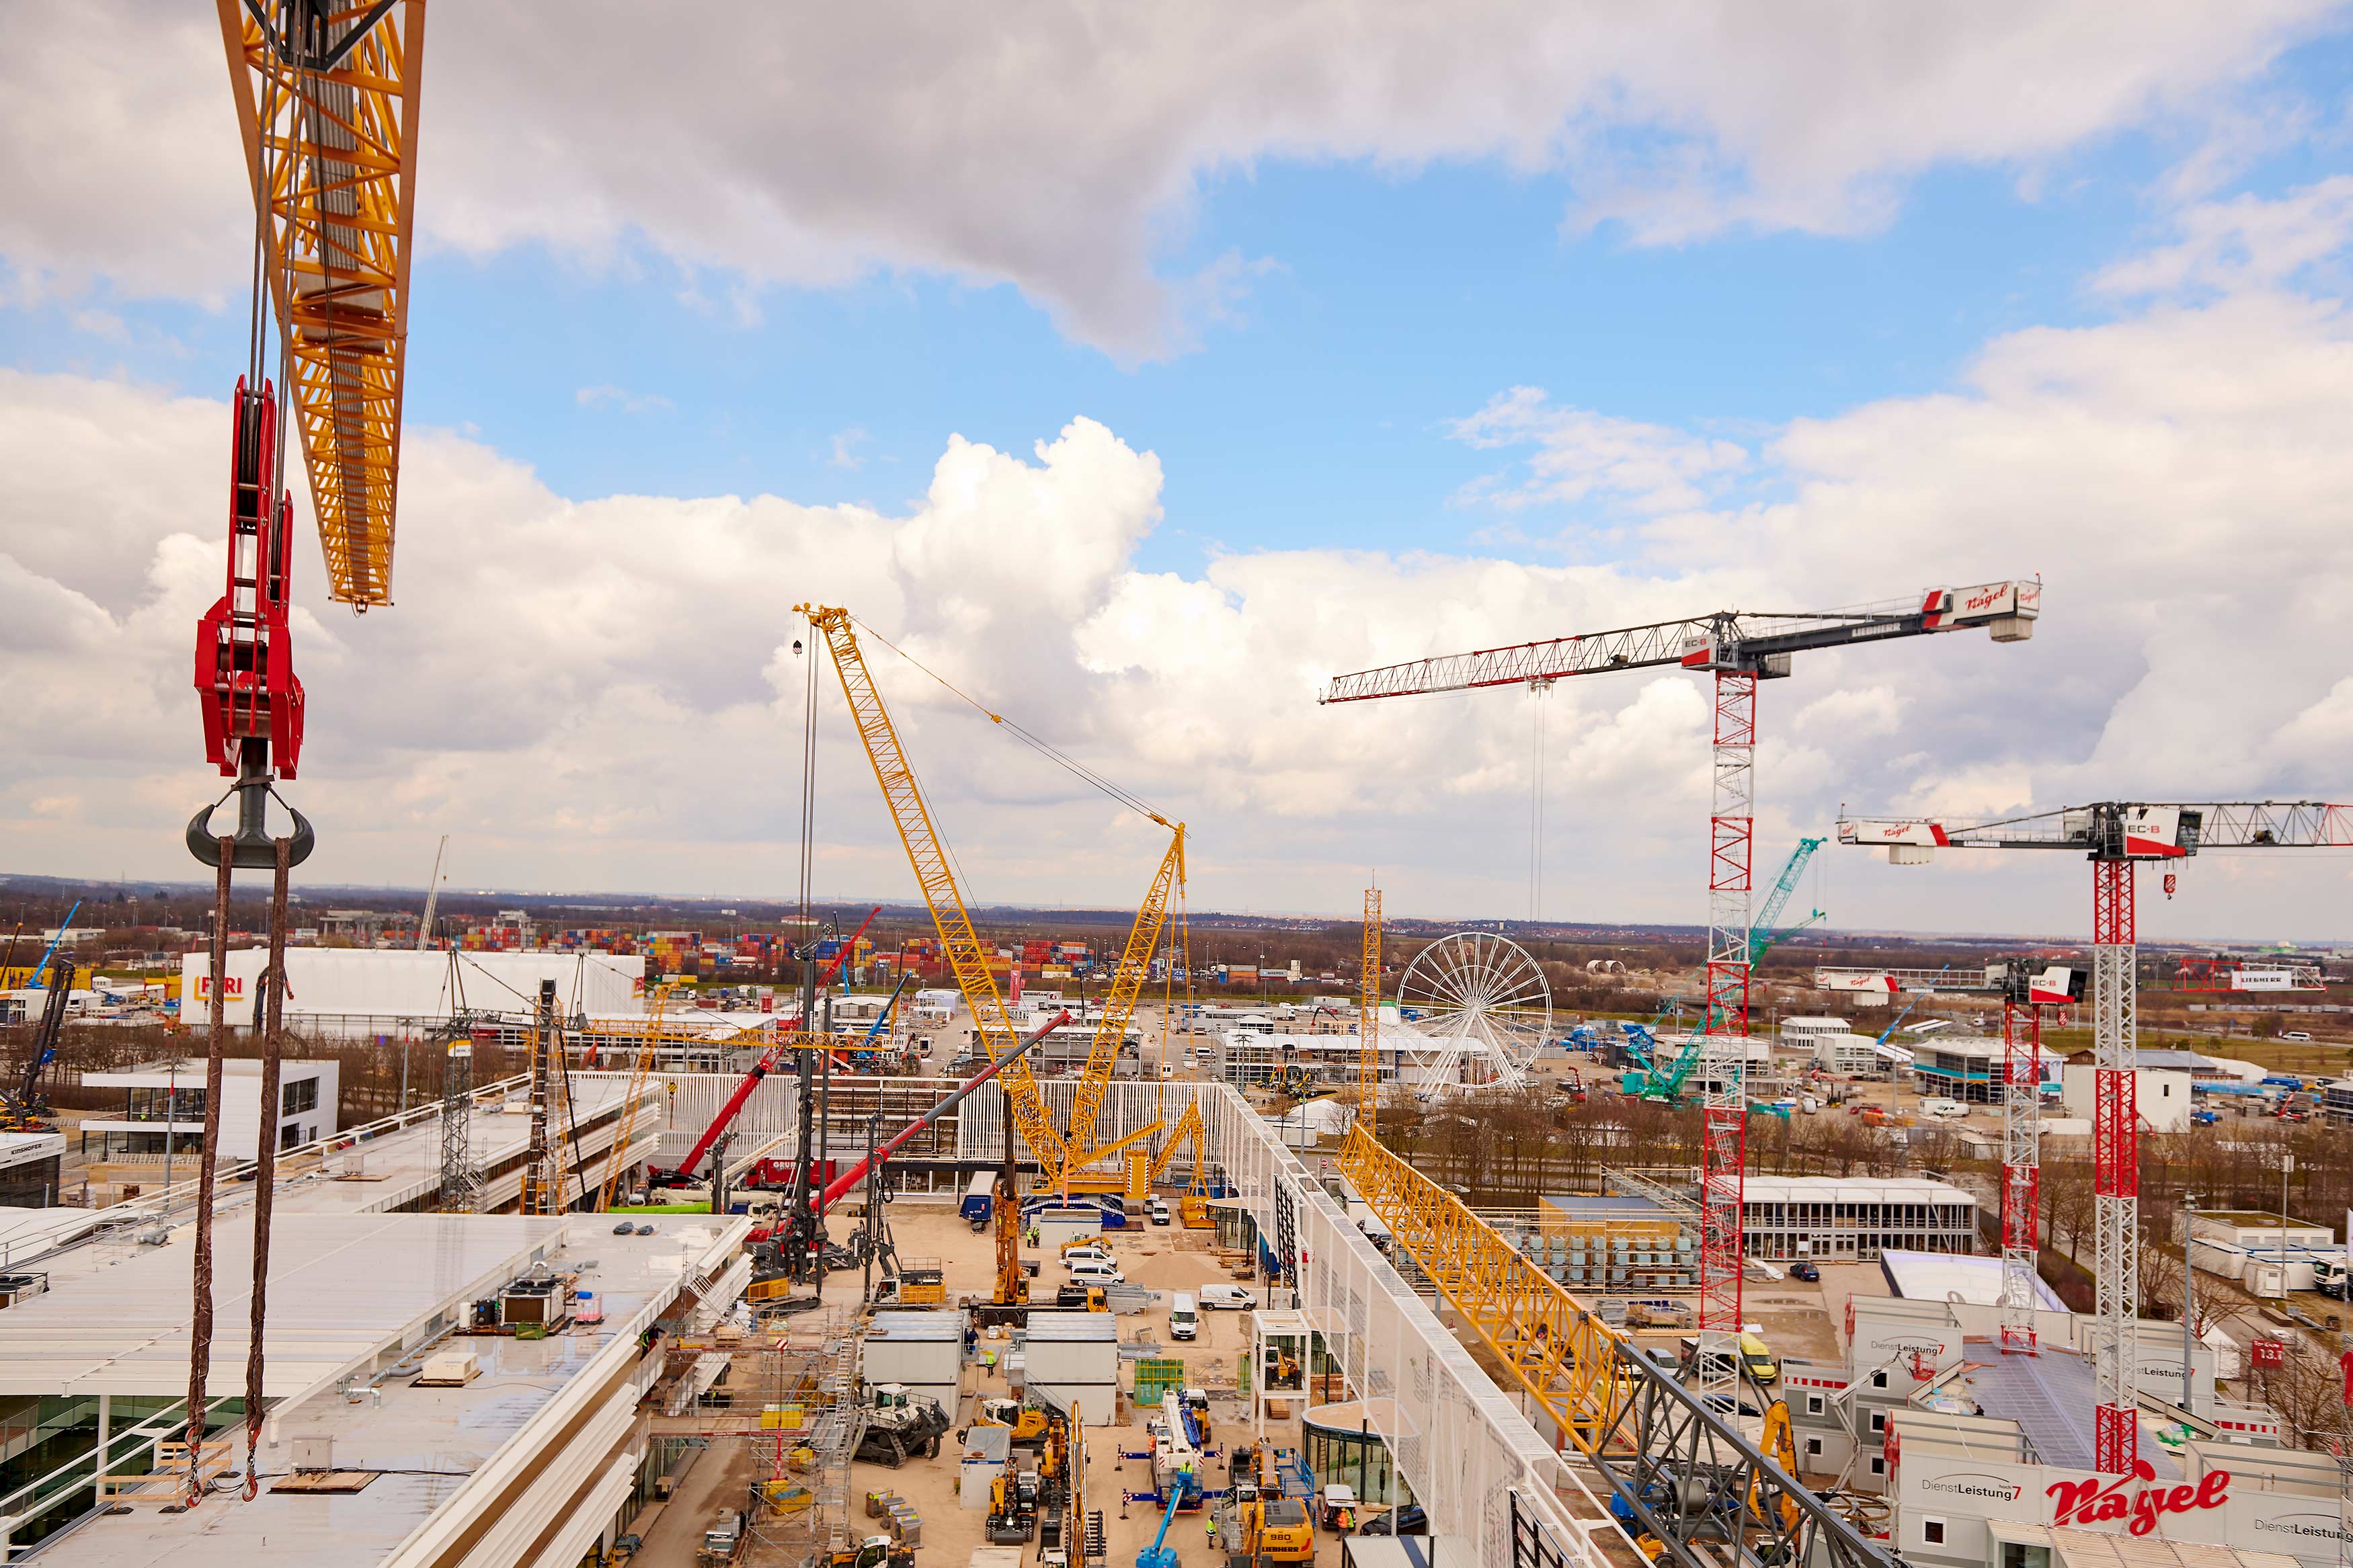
column 2116, row 836
column 684, row 1173
column 1739, row 649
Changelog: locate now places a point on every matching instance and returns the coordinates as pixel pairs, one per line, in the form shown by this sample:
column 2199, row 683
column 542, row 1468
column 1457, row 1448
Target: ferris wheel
column 1479, row 1001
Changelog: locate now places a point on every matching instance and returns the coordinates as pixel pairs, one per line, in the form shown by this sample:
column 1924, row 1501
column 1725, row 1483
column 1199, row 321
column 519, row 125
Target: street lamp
column 2188, row 1289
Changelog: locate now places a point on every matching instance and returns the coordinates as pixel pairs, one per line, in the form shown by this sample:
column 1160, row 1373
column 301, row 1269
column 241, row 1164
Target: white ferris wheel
column 1478, row 1000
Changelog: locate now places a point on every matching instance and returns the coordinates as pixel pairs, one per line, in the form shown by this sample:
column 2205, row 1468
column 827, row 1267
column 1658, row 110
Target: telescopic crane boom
column 1739, row 649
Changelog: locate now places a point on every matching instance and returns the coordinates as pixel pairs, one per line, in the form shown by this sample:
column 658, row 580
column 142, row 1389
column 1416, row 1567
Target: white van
column 1074, row 1256
column 1096, row 1271
column 1234, row 1298
column 1184, row 1322
column 1951, row 1110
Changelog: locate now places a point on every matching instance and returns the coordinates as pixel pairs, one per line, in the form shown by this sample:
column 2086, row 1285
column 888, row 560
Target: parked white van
column 1234, row 1298
column 1096, row 1271
column 1184, row 1322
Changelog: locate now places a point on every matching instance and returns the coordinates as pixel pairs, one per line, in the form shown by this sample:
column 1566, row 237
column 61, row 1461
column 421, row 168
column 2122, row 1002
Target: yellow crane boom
column 1368, row 1013
column 1119, row 1003
column 966, row 959
column 328, row 90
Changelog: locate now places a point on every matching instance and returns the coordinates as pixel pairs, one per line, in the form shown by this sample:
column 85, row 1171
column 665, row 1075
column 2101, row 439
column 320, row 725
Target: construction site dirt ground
column 1166, row 1259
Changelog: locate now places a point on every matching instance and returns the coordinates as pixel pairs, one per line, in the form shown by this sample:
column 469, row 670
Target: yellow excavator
column 1029, row 1423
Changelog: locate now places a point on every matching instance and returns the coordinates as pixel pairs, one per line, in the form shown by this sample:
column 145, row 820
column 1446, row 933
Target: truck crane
column 1738, row 649
column 682, row 1174
column 799, row 1230
column 2116, row 836
column 25, row 1110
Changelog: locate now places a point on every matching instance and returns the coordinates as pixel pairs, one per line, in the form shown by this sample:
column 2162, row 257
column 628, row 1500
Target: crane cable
column 1036, row 743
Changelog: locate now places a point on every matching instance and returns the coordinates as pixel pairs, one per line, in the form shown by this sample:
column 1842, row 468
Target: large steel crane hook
column 253, row 846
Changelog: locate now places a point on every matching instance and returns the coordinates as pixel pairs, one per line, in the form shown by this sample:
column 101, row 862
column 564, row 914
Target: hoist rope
column 1035, row 741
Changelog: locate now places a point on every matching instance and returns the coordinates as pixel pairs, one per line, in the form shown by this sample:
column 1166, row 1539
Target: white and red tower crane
column 1739, row 649
column 2116, row 836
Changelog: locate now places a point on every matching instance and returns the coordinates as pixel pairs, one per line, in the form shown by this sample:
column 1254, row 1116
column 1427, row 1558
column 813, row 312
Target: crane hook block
column 253, row 848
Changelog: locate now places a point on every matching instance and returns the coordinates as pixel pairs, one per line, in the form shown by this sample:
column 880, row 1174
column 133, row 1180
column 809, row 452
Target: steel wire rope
column 1038, row 743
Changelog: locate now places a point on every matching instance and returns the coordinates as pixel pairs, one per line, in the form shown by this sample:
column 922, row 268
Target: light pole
column 2287, row 1163
column 2188, row 1289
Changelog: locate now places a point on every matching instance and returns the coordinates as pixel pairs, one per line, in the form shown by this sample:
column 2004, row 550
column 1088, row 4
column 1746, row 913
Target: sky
column 1137, row 369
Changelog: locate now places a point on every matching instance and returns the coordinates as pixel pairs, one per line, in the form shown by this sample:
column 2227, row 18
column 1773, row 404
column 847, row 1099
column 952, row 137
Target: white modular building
column 1074, row 1356
column 2160, row 1097
column 359, row 992
column 164, row 1100
column 924, row 1351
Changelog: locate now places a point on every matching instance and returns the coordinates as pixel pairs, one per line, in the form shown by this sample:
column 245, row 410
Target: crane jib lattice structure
column 1059, row 1155
column 1738, row 649
column 2114, row 836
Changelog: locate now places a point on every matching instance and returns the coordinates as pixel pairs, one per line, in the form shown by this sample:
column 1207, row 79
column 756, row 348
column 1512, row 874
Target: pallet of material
column 452, row 1370
column 325, row 1483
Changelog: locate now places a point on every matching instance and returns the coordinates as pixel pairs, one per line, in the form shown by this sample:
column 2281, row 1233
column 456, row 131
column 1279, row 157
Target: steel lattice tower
column 2116, row 1152
column 461, row 1178
column 2021, row 1167
column 1724, row 1062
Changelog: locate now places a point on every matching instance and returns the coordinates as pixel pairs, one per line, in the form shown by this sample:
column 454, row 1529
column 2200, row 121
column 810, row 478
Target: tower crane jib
column 1739, row 649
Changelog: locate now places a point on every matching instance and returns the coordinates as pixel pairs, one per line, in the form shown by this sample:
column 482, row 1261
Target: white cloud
column 845, row 449
column 2246, row 241
column 627, row 402
column 1063, row 148
column 1579, row 455
column 602, row 693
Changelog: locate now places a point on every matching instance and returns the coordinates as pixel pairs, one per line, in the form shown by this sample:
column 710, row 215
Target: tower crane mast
column 2114, row 836
column 1738, row 649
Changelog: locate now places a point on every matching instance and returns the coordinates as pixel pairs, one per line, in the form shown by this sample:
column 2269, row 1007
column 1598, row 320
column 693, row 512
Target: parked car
column 1408, row 1520
column 1806, row 1272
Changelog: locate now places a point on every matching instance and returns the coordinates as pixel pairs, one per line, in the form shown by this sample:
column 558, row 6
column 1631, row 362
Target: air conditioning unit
column 448, row 1369
column 314, row 1453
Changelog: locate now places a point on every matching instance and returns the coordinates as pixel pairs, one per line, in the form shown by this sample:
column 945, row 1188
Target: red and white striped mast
column 1738, row 650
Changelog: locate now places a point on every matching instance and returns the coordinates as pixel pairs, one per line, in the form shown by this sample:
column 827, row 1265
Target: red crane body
column 760, row 1070
column 1739, row 649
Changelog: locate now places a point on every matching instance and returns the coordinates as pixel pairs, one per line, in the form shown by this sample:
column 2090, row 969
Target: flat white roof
column 189, row 1072
column 1072, row 1327
column 340, row 1289
column 1851, row 1189
column 330, row 1288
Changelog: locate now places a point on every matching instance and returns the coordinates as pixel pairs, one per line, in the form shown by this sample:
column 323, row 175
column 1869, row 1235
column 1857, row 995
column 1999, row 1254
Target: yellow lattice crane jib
column 326, row 102
column 1119, row 1003
column 631, row 1100
column 966, row 958
column 1369, row 1014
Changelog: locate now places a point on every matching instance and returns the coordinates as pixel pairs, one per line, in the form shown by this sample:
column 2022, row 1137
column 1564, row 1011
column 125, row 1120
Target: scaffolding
column 790, row 1394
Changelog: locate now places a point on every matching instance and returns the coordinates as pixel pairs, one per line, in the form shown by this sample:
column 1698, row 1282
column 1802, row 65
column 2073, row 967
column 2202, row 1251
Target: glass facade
column 1343, row 1447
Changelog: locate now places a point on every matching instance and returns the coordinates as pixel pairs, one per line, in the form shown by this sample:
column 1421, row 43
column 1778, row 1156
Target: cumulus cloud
column 1060, row 147
column 603, row 693
column 2247, row 241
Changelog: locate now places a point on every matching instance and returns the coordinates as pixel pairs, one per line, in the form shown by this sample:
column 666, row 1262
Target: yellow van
column 1756, row 1358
